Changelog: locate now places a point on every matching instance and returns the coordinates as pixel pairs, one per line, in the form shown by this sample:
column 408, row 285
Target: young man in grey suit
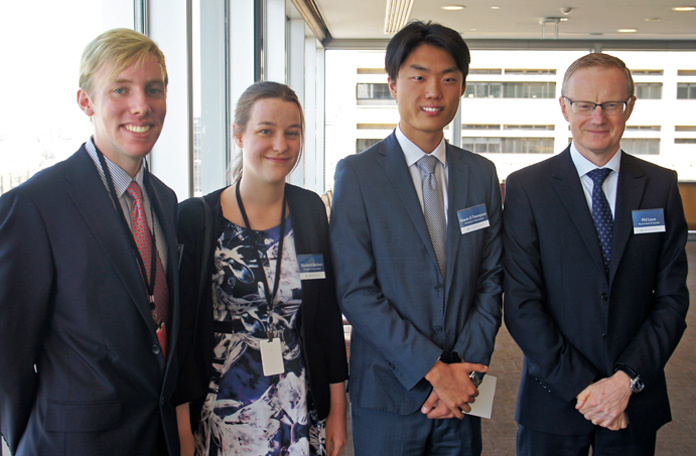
column 595, row 279
column 415, row 236
column 88, row 283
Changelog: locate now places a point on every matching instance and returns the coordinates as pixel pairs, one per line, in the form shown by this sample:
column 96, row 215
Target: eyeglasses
column 610, row 108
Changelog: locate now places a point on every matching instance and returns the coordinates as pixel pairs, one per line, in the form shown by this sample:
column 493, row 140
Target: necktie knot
column 134, row 191
column 598, row 175
column 427, row 164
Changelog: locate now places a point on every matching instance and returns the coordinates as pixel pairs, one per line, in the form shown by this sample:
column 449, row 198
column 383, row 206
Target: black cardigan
column 320, row 322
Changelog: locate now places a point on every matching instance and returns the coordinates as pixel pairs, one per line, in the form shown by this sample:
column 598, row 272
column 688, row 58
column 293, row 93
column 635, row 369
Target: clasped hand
column 453, row 390
column 604, row 402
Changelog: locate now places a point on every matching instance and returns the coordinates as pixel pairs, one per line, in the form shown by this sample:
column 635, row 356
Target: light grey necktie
column 434, row 210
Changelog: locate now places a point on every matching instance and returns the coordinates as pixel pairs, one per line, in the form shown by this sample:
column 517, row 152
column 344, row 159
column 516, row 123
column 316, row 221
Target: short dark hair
column 418, row 32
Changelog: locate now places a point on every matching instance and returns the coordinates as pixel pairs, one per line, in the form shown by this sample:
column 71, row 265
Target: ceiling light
column 397, row 15
column 682, row 9
column 653, row 19
column 627, row 30
column 495, row 7
column 453, row 7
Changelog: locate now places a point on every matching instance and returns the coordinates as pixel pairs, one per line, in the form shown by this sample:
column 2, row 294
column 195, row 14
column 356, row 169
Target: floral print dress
column 245, row 412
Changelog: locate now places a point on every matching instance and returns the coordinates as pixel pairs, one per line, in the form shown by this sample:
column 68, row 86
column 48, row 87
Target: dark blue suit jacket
column 389, row 283
column 81, row 370
column 574, row 324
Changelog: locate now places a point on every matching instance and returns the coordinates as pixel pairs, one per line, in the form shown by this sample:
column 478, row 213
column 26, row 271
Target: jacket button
column 438, row 287
column 604, row 335
column 437, row 329
column 156, row 349
column 604, row 296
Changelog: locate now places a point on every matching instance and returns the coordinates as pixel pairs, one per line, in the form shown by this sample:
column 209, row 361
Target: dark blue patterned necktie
column 601, row 212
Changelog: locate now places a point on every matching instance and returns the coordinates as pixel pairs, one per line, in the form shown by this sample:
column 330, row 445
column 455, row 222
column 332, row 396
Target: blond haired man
column 88, row 289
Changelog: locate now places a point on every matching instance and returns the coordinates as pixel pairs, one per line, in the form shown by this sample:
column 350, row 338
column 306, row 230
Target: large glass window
column 40, row 123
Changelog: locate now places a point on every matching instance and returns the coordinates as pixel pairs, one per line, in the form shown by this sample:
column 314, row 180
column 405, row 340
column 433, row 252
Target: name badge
column 311, row 267
column 473, row 218
column 272, row 356
column 649, row 221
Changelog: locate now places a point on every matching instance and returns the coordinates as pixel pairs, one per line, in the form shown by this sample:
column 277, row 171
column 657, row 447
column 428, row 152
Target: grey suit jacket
column 575, row 324
column 81, row 370
column 388, row 282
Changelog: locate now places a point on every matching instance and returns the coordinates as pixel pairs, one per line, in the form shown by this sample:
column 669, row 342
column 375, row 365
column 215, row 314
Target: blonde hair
column 255, row 92
column 119, row 48
column 601, row 60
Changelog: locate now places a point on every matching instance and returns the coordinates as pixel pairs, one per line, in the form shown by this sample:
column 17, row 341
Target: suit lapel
column 156, row 202
column 94, row 204
column 394, row 165
column 457, row 198
column 567, row 185
column 629, row 194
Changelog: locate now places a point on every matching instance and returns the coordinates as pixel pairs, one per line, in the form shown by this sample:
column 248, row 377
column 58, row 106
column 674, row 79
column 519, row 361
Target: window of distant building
column 641, row 146
column 362, row 144
column 365, row 91
column 497, row 145
column 649, row 90
column 686, row 91
column 510, row 90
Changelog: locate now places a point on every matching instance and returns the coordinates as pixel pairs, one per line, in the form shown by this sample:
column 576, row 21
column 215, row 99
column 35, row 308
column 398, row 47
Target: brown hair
column 255, row 92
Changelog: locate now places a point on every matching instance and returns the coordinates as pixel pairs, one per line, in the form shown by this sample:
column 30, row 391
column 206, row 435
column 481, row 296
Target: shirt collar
column 120, row 178
column 584, row 166
column 414, row 153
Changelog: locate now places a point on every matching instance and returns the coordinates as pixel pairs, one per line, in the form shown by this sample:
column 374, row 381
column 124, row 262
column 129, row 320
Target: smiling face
column 597, row 136
column 271, row 141
column 427, row 91
column 127, row 111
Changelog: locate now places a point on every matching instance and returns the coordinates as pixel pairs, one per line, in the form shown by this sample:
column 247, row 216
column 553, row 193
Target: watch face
column 476, row 378
column 637, row 385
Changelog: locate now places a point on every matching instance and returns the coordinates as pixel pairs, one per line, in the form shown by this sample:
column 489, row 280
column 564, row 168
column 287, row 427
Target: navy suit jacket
column 388, row 281
column 81, row 369
column 575, row 324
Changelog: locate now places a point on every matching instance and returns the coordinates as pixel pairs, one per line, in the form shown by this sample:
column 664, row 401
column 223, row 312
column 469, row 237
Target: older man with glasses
column 595, row 279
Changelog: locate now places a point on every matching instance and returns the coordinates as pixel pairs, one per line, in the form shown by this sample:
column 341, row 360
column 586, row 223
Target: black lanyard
column 149, row 285
column 270, row 297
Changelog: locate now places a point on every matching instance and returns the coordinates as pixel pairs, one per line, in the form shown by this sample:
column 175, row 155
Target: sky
column 42, row 44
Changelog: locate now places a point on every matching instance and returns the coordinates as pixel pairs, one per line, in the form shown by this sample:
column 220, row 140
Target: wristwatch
column 637, row 384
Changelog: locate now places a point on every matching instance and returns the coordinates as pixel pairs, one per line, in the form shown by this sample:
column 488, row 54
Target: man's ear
column 564, row 106
column 392, row 87
column 84, row 102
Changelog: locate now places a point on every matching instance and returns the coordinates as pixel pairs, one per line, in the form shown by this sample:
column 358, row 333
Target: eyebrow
column 267, row 122
column 422, row 68
column 130, row 81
